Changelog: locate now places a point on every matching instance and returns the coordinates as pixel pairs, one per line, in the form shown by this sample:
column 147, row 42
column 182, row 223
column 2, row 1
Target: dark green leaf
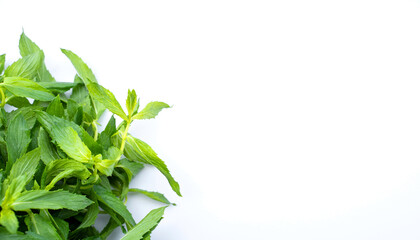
column 114, row 203
column 41, row 226
column 17, row 139
column 64, row 168
column 105, row 136
column 26, row 165
column 48, row 152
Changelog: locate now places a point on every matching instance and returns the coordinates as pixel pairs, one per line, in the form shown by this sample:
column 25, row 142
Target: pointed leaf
column 153, row 195
column 64, row 168
column 17, row 139
column 106, row 97
column 26, row 67
column 82, row 69
column 57, row 86
column 132, row 103
column 69, row 141
column 137, row 150
column 55, row 107
column 48, row 152
column 151, row 110
column 26, row 165
column 145, row 225
column 114, row 203
column 23, row 87
column 42, row 199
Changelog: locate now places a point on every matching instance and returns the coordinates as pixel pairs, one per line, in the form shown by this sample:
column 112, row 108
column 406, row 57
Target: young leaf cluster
column 57, row 171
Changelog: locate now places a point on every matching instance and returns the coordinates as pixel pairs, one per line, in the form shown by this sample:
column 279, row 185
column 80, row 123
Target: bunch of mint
column 58, row 172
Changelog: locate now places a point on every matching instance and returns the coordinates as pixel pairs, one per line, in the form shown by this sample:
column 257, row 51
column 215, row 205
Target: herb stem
column 3, row 98
column 124, row 137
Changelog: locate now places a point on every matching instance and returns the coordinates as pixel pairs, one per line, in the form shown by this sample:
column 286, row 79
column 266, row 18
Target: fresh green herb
column 57, row 171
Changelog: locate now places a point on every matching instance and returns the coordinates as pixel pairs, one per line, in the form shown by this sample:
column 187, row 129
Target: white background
column 290, row 119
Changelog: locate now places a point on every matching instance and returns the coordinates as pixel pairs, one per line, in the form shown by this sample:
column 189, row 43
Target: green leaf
column 23, row 87
column 18, row 102
column 27, row 47
column 17, row 139
column 42, row 226
column 69, row 141
column 42, row 199
column 145, row 225
column 111, row 201
column 86, row 74
column 151, row 110
column 26, row 67
column 57, row 86
column 82, row 69
column 132, row 103
column 105, row 97
column 9, row 220
column 48, row 152
column 137, row 150
column 90, row 216
column 153, row 195
column 130, row 167
column 55, row 107
column 26, row 165
column 105, row 136
column 49, row 122
column 64, row 168
column 2, row 62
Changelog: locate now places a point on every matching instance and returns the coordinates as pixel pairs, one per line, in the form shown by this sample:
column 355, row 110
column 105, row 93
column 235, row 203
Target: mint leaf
column 23, row 87
column 26, row 67
column 105, row 97
column 145, row 225
column 151, row 110
column 43, row 199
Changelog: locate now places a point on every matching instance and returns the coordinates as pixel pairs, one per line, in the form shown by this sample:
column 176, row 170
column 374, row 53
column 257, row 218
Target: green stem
column 31, row 215
column 96, row 130
column 124, row 137
column 3, row 98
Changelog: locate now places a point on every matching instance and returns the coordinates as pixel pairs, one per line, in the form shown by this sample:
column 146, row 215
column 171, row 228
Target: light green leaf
column 27, row 47
column 132, row 103
column 9, row 220
column 55, row 107
column 105, row 97
column 82, row 69
column 137, row 150
column 145, row 225
column 26, row 67
column 42, row 199
column 69, row 141
column 111, row 201
column 2, row 62
column 151, row 110
column 153, row 195
column 23, row 87
column 17, row 139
